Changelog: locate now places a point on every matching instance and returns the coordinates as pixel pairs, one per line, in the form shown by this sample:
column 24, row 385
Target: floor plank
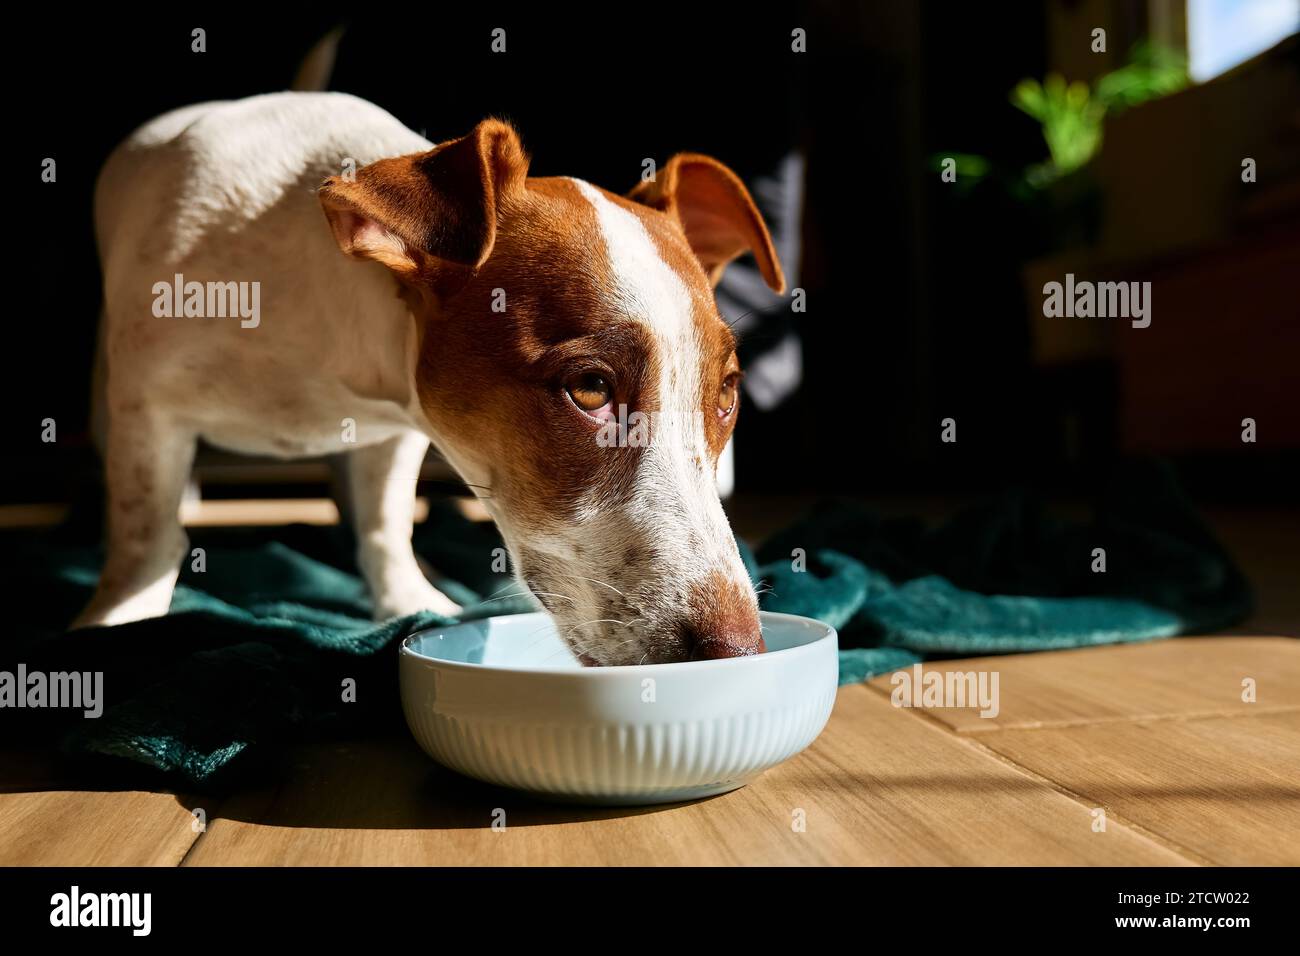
column 94, row 828
column 1226, row 789
column 1173, row 678
column 42, row 823
column 880, row 786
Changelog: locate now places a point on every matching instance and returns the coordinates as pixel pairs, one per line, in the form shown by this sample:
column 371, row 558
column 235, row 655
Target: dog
column 298, row 274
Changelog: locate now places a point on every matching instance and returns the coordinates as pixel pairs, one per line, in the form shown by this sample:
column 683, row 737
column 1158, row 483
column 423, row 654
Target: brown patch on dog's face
column 580, row 379
column 496, row 359
column 540, row 313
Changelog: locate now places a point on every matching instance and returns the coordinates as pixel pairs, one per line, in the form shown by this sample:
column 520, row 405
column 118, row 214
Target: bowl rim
column 405, row 652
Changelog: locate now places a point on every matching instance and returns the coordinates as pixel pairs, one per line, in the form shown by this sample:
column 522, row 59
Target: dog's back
column 220, row 165
column 222, row 195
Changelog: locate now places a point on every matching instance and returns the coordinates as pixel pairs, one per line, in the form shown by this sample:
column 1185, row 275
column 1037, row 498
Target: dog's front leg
column 147, row 462
column 381, row 486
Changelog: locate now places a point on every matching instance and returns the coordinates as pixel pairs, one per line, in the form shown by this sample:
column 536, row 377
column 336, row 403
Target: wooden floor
column 1156, row 737
column 1127, row 755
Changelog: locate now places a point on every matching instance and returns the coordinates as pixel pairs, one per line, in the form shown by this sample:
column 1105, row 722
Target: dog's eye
column 589, row 391
column 728, row 394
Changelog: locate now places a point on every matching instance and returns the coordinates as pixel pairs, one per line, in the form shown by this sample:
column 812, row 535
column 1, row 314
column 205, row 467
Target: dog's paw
column 416, row 597
column 107, row 609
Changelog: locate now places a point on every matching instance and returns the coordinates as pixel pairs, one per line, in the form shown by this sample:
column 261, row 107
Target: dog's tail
column 314, row 71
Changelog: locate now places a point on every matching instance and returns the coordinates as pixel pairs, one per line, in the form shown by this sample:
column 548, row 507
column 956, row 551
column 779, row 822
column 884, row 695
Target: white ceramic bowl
column 503, row 700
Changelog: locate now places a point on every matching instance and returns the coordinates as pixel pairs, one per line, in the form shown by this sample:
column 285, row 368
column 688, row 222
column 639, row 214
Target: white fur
column 222, row 192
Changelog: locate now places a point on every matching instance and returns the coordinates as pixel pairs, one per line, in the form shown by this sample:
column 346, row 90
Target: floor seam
column 1139, row 718
column 207, row 824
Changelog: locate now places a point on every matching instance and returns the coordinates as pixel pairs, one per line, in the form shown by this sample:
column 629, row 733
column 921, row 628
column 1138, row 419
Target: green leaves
column 1073, row 114
column 1071, row 119
column 1152, row 72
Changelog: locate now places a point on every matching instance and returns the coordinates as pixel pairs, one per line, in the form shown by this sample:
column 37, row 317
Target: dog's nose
column 723, row 622
column 713, row 645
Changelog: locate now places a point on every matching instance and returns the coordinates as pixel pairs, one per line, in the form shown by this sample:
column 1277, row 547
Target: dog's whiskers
column 517, row 594
column 599, row 620
column 580, row 577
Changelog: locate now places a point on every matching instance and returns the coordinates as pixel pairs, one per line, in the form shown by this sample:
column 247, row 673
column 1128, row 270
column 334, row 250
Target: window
column 1223, row 33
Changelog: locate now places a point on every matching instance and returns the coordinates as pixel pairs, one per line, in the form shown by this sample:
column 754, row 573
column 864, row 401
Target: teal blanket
column 273, row 643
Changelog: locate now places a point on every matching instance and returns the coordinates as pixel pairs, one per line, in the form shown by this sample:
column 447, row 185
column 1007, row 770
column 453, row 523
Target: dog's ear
column 414, row 213
column 716, row 213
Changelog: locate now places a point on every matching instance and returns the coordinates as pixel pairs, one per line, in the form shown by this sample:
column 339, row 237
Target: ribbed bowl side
column 620, row 759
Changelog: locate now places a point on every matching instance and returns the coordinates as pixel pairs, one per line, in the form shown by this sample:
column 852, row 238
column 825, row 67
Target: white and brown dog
column 504, row 318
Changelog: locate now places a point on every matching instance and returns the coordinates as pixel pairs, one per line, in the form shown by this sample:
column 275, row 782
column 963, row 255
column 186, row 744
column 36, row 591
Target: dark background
column 915, row 291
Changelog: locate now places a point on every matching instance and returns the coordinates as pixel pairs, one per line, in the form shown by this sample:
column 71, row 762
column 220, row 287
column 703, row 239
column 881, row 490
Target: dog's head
column 575, row 370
